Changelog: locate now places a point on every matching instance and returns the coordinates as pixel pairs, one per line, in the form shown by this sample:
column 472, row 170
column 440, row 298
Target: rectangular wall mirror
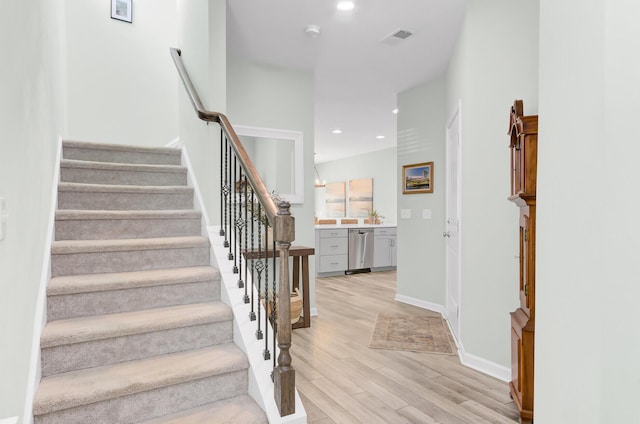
column 278, row 158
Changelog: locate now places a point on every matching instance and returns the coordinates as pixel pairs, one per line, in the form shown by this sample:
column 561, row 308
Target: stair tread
column 72, row 284
column 99, row 327
column 62, row 247
column 120, row 188
column 83, row 387
column 121, row 147
column 78, row 214
column 239, row 409
column 115, row 166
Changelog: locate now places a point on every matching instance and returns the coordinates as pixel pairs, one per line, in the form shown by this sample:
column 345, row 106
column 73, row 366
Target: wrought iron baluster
column 252, row 314
column 234, row 215
column 246, row 241
column 225, row 191
column 259, row 269
column 240, row 224
column 265, row 353
column 230, row 230
column 221, row 182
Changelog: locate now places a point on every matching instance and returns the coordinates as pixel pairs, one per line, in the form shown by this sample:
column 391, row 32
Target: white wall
column 587, row 344
column 271, row 97
column 494, row 63
column 274, row 160
column 120, row 79
column 31, row 117
column 380, row 165
column 421, row 138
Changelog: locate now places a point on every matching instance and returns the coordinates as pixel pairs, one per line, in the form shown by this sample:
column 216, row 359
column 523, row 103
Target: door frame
column 455, row 115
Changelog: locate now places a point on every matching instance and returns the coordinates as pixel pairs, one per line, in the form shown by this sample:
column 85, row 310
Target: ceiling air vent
column 396, row 36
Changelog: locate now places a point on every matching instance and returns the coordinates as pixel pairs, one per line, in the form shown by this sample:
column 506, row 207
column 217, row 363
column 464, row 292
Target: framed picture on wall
column 360, row 197
column 335, row 197
column 417, row 178
column 121, row 10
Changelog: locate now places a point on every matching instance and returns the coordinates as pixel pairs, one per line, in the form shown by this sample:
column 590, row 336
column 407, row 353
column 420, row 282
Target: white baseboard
column 176, row 143
column 198, row 201
column 420, row 303
column 467, row 359
column 484, row 366
column 12, row 420
column 40, row 319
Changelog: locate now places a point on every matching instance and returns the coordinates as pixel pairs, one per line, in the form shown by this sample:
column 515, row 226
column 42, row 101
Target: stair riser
column 114, row 301
column 103, row 229
column 136, row 260
column 116, row 156
column 124, row 201
column 102, row 176
column 153, row 403
column 97, row 353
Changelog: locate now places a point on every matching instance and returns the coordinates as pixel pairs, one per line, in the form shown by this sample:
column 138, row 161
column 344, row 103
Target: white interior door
column 452, row 224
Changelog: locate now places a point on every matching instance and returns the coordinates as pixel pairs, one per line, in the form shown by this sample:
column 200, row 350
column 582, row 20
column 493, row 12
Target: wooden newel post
column 284, row 375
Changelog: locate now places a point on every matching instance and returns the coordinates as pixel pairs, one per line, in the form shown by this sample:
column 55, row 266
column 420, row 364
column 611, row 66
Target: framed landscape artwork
column 417, row 178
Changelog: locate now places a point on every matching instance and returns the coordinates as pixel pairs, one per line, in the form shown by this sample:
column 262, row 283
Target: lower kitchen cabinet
column 332, row 250
column 384, row 247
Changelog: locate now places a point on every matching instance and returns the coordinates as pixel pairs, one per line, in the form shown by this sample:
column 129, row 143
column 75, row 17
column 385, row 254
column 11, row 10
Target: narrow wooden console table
column 296, row 252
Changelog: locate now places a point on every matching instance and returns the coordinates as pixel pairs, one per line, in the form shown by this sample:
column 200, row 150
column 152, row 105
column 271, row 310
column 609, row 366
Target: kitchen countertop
column 348, row 226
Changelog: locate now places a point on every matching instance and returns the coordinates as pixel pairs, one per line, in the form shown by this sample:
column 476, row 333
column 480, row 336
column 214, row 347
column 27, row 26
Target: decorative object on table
column 335, row 197
column 374, row 218
column 122, row 10
column 254, row 208
column 241, row 183
column 360, row 197
column 417, row 178
column 421, row 333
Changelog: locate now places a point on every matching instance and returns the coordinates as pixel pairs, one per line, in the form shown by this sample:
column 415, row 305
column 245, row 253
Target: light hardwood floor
column 341, row 380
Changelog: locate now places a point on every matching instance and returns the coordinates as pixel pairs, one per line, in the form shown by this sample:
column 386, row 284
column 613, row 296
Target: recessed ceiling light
column 312, row 31
column 379, row 137
column 395, row 111
column 345, row 5
column 337, row 131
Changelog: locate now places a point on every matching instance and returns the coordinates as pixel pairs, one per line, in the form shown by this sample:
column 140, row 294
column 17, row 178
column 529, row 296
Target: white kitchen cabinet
column 384, row 247
column 333, row 250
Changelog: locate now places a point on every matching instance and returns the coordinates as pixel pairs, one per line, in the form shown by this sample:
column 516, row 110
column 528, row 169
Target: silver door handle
column 446, row 234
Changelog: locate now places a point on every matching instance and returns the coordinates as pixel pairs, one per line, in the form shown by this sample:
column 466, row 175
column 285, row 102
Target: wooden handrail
column 271, row 210
column 280, row 218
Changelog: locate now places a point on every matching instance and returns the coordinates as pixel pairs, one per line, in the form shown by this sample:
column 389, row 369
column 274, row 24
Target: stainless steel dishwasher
column 360, row 250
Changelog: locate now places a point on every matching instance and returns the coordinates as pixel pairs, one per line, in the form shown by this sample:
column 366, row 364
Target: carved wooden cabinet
column 523, row 131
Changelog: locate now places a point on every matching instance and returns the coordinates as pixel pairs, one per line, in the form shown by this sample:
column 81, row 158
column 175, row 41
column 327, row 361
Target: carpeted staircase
column 136, row 331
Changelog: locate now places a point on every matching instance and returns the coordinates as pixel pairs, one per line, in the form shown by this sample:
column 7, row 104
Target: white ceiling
column 356, row 76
